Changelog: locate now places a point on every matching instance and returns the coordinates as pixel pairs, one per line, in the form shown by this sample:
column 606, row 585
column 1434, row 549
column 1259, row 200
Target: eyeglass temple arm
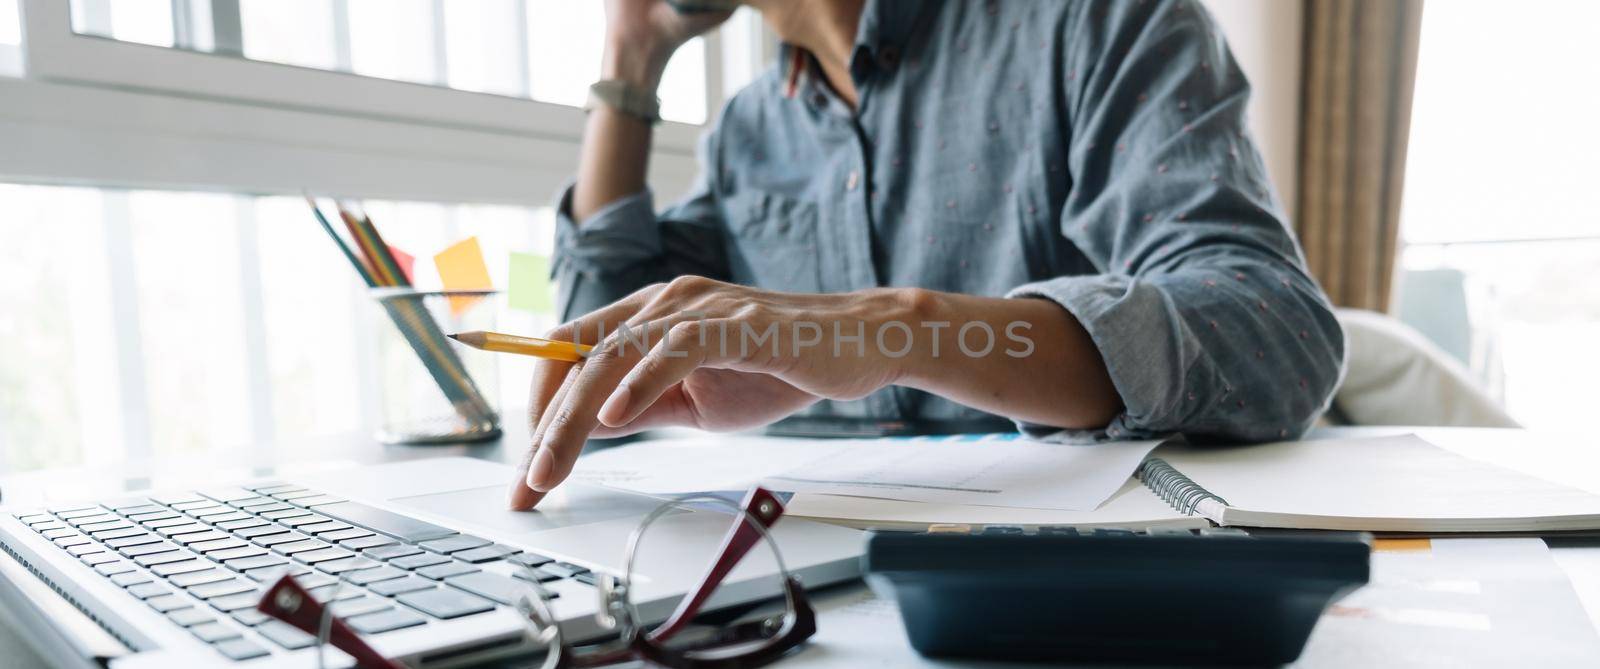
column 290, row 602
column 760, row 504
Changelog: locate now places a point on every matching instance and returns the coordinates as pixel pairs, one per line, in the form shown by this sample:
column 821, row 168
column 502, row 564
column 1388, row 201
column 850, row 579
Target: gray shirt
column 1090, row 153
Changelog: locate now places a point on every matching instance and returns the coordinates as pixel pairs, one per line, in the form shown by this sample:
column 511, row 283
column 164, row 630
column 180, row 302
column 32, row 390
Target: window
column 182, row 322
column 1498, row 209
column 10, row 23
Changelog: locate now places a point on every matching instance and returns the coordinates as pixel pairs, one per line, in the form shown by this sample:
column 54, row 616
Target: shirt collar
column 885, row 24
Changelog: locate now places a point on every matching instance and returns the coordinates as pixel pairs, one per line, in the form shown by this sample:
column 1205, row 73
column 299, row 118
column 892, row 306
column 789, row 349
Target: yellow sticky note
column 461, row 267
column 529, row 283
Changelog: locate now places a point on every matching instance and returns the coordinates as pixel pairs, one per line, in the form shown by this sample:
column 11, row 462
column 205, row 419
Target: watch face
column 703, row 6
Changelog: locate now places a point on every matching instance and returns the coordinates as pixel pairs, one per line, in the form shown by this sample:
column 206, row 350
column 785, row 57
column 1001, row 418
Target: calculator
column 1212, row 596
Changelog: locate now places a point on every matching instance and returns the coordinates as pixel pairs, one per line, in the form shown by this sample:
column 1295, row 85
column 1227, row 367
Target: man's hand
column 704, row 354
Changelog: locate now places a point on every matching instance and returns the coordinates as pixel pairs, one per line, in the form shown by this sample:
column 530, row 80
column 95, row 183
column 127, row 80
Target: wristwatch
column 627, row 98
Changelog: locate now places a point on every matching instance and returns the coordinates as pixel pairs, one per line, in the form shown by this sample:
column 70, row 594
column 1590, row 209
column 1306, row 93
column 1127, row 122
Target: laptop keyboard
column 203, row 559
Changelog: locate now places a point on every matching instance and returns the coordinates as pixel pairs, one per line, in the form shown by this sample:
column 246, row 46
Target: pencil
column 361, row 267
column 564, row 351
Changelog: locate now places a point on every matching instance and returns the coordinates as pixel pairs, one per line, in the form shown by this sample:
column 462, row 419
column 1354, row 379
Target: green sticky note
column 530, row 283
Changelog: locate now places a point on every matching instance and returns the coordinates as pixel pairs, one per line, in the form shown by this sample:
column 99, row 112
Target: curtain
column 1359, row 65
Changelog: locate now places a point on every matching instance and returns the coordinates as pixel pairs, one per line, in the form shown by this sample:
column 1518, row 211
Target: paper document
column 1010, row 472
column 1017, row 473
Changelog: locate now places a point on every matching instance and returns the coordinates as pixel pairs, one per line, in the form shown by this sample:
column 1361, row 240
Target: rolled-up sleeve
column 1203, row 312
column 626, row 245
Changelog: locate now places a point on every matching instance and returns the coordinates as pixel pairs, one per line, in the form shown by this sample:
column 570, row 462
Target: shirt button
column 852, row 180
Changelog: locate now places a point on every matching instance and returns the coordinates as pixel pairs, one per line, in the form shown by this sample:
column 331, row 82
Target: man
column 1072, row 177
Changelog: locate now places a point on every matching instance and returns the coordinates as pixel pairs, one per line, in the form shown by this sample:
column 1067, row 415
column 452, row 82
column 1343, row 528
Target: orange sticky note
column 461, row 267
column 405, row 261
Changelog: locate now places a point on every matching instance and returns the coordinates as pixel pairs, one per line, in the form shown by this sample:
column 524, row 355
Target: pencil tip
column 452, row 336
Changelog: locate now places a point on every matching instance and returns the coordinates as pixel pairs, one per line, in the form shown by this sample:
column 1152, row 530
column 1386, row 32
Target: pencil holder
column 428, row 392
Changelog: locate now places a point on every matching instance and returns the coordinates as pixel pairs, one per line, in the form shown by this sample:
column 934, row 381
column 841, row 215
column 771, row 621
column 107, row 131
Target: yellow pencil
column 540, row 348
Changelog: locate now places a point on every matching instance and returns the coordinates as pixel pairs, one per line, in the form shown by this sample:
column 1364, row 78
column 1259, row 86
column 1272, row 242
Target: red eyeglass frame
column 288, row 601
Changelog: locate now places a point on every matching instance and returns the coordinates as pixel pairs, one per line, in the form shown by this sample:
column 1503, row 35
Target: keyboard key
column 81, row 550
column 128, row 579
column 445, row 603
column 186, row 502
column 135, row 506
column 443, row 571
column 231, row 603
column 74, row 540
column 228, row 494
column 236, row 553
column 359, row 605
column 323, row 555
column 391, row 552
column 419, row 561
column 68, row 513
column 190, row 528
column 118, row 524
column 292, row 512
column 285, row 635
column 166, row 522
column 255, row 562
column 239, row 650
column 563, row 569
column 97, row 559
column 492, row 586
column 194, row 578
column 341, row 566
column 336, row 591
column 135, row 540
column 157, row 515
column 121, row 533
column 114, row 568
column 363, row 543
column 384, row 522
column 34, row 519
column 304, row 546
column 251, row 503
column 341, row 535
column 221, row 514
column 152, row 558
column 200, row 537
column 59, row 532
column 233, row 525
column 384, row 621
column 175, row 568
column 165, row 603
column 147, row 549
column 274, row 540
column 209, row 547
column 530, row 559
column 250, row 617
column 260, row 530
column 587, row 578
column 365, row 576
column 272, row 490
column 308, row 519
column 189, row 617
column 222, row 588
column 213, row 632
column 398, row 586
column 301, row 493
column 269, row 508
column 535, row 575
column 323, row 527
column 86, row 521
column 318, row 500
column 272, row 574
column 454, row 544
column 484, row 553
column 148, row 590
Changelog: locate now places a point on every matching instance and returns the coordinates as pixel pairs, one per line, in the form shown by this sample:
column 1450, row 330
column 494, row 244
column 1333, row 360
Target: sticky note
column 529, row 288
column 406, row 262
column 461, row 268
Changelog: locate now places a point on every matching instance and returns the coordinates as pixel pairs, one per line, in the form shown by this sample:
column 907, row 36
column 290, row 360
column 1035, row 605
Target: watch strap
column 627, row 98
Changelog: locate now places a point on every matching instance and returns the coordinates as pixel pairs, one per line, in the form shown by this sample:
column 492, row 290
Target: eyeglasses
column 739, row 646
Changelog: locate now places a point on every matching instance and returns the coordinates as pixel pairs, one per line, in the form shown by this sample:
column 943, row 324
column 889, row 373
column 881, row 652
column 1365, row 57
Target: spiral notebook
column 1387, row 484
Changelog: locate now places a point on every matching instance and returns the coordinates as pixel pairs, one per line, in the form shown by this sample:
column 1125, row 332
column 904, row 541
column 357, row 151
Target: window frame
column 140, row 106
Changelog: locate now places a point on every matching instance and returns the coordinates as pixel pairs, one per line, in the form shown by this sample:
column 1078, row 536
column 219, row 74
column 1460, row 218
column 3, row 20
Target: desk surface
column 1569, row 460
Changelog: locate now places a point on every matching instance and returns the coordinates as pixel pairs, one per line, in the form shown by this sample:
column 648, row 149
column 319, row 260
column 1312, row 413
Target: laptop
column 422, row 558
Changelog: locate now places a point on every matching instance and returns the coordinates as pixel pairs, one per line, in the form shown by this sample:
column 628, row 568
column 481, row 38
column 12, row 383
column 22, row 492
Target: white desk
column 856, row 630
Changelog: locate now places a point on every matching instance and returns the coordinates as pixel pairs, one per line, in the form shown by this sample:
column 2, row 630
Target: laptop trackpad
column 569, row 505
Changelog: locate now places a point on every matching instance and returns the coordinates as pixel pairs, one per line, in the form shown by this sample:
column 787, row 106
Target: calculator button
column 1058, row 531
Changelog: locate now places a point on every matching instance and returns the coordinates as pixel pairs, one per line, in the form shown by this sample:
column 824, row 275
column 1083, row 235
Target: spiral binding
column 1177, row 490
